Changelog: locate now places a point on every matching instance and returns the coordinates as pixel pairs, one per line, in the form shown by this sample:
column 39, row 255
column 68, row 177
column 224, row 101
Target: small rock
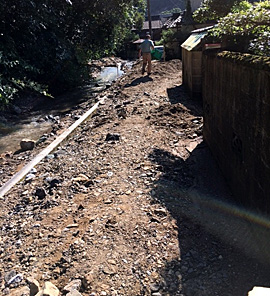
column 18, row 243
column 73, row 285
column 156, row 294
column 27, row 144
column 107, row 201
column 50, row 156
column 154, row 287
column 12, row 278
column 28, row 199
column 75, row 225
column 74, row 293
column 49, row 289
column 24, row 291
column 40, row 193
column 111, row 261
column 6, row 291
column 33, row 171
column 81, row 178
column 29, row 177
column 53, row 181
column 33, row 285
column 155, row 220
column 160, row 212
column 87, row 280
column 112, row 137
column 109, row 270
column 42, row 138
column 9, row 275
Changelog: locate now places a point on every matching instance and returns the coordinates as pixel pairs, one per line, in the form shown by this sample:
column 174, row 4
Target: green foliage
column 167, row 37
column 248, row 25
column 241, row 6
column 213, row 9
column 45, row 45
column 171, row 11
column 159, row 6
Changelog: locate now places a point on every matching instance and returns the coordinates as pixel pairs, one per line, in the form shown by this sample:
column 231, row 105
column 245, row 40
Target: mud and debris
column 128, row 204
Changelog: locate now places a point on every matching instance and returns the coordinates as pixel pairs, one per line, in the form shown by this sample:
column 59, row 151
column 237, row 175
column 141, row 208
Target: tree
column 213, row 9
column 245, row 26
column 247, row 23
column 45, row 45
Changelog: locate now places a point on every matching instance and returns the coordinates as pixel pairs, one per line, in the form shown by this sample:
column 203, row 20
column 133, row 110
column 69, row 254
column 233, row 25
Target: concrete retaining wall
column 236, row 95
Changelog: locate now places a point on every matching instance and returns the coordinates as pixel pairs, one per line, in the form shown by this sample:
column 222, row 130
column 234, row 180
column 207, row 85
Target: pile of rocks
column 15, row 285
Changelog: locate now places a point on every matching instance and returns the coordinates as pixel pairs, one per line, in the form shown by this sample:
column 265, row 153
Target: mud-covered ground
column 131, row 204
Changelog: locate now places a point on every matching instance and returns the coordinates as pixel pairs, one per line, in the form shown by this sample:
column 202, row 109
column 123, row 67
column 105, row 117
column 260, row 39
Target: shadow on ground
column 224, row 248
column 139, row 80
column 179, row 94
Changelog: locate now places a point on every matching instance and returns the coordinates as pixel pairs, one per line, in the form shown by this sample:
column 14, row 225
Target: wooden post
column 149, row 18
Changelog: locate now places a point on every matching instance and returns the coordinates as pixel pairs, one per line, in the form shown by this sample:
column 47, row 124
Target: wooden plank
column 21, row 174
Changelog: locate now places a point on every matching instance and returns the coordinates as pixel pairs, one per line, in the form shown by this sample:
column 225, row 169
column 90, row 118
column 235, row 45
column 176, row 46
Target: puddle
column 33, row 128
column 109, row 74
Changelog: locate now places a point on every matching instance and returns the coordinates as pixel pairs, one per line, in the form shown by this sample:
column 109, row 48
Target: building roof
column 193, row 41
column 173, row 21
column 202, row 29
column 157, row 24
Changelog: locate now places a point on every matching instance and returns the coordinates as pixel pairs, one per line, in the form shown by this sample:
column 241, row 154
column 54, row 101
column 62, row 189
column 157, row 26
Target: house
column 182, row 24
column 192, row 62
column 156, row 24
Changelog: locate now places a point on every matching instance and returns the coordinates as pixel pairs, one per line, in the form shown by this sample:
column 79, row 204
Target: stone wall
column 236, row 95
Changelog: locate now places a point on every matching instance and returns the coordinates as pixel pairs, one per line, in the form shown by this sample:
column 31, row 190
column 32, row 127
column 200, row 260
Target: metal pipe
column 21, row 174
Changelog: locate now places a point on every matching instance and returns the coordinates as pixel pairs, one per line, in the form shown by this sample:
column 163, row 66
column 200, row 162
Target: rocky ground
column 131, row 204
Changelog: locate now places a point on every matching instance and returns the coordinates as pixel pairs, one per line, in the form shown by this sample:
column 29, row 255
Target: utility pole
column 149, row 17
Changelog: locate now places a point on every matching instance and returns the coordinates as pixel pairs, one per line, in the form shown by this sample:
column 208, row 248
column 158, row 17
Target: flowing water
column 40, row 122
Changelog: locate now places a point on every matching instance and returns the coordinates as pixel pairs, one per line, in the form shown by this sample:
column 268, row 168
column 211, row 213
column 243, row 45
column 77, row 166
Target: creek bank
column 37, row 118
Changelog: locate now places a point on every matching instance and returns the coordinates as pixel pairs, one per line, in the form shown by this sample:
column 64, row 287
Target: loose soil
column 132, row 203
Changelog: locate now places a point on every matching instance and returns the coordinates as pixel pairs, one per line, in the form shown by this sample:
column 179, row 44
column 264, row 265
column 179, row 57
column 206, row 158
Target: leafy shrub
column 245, row 26
column 45, row 45
column 248, row 24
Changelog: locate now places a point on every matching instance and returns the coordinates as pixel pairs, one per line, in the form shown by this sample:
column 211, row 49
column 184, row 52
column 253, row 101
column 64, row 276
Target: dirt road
column 131, row 204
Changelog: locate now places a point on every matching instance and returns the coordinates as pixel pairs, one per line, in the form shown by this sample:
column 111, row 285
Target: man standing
column 145, row 51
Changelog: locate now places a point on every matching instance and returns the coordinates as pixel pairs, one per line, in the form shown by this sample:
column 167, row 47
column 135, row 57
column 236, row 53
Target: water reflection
column 12, row 134
column 34, row 126
column 110, row 73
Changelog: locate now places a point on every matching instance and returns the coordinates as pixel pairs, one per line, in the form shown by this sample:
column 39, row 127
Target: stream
column 39, row 122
